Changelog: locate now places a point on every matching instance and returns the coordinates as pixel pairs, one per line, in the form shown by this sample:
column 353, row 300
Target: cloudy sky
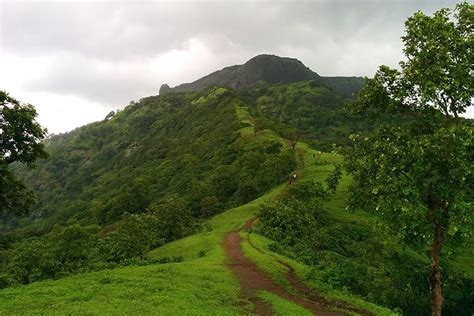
column 77, row 61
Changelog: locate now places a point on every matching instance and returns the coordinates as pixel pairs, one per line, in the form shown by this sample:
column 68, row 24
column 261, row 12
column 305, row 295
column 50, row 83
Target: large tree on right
column 417, row 172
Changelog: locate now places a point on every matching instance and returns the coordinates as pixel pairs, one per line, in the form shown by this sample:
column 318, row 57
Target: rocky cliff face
column 271, row 69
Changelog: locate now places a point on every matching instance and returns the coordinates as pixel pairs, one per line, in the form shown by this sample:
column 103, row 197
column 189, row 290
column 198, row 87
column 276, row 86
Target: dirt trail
column 252, row 279
column 303, row 290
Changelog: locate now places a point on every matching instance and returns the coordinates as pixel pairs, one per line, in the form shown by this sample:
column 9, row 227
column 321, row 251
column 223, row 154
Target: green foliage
column 15, row 197
column 133, row 237
column 295, row 220
column 71, row 247
column 403, row 176
column 148, row 174
column 20, row 141
column 210, row 206
column 440, row 49
column 130, row 198
column 301, row 109
column 174, row 219
column 347, row 87
column 64, row 250
column 151, row 173
column 357, row 257
column 415, row 176
column 153, row 149
column 74, row 248
column 309, row 191
column 306, row 111
column 332, row 181
column 350, row 252
column 26, row 261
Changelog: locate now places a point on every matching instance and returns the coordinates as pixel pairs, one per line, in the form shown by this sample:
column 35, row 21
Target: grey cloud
column 109, row 84
column 115, row 29
column 331, row 37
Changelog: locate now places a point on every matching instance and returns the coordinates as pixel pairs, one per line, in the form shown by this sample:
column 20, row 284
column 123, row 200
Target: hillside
column 181, row 203
column 200, row 283
column 186, row 144
column 154, row 148
column 270, row 69
column 191, row 275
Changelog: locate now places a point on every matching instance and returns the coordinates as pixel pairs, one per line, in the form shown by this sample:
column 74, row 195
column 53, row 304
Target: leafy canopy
column 20, row 141
column 418, row 175
column 420, row 170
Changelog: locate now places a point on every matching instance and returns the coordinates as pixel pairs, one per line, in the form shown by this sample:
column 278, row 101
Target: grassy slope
column 283, row 307
column 189, row 288
column 316, row 166
column 199, row 285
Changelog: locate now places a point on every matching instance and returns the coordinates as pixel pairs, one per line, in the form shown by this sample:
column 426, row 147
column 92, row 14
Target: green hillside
column 134, row 212
column 199, row 284
column 190, row 275
column 186, row 144
column 181, row 144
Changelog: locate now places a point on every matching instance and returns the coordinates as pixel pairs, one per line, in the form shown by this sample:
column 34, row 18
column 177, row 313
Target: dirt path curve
column 304, row 291
column 252, row 279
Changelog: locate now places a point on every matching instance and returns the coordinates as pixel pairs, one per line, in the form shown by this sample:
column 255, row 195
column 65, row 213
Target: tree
column 71, row 247
column 26, row 260
column 20, row 141
column 296, row 218
column 174, row 219
column 209, row 206
column 415, row 175
column 133, row 237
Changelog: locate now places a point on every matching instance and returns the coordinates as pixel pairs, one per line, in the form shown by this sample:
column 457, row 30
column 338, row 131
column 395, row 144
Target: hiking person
column 292, row 178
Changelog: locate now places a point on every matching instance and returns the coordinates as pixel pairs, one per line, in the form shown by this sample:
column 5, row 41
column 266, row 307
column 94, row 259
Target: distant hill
column 270, row 69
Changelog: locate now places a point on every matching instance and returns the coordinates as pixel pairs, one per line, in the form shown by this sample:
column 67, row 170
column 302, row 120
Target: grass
column 200, row 285
column 169, row 289
column 281, row 306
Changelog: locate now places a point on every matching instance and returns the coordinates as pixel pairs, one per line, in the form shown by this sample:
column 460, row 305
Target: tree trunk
column 25, row 278
column 435, row 273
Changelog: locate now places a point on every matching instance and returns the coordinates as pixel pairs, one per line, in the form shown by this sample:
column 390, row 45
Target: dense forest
column 186, row 144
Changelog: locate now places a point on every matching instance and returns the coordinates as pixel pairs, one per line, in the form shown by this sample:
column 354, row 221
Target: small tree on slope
column 418, row 175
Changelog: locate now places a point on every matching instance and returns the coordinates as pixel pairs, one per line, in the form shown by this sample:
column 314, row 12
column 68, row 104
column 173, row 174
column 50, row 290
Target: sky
column 76, row 61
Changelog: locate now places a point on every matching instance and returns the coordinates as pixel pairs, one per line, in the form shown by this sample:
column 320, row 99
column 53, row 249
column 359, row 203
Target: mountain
column 138, row 213
column 270, row 69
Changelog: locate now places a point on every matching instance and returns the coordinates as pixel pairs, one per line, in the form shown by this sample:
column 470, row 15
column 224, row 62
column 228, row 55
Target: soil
column 252, row 280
